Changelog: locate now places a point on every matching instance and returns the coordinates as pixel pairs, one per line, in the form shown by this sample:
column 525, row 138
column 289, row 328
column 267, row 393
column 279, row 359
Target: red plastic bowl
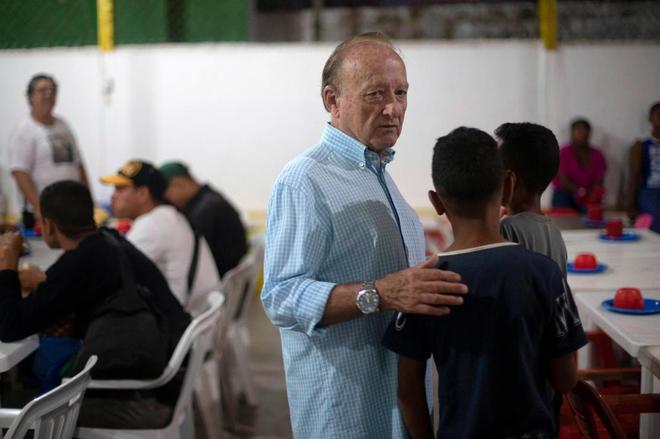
column 585, row 261
column 629, row 298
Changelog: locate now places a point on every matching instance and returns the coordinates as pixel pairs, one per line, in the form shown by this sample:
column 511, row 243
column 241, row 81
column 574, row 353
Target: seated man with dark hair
column 210, row 214
column 121, row 306
column 517, row 329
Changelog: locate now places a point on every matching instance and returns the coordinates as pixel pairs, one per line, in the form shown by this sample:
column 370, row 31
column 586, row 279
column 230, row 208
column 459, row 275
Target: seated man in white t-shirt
column 42, row 149
column 163, row 233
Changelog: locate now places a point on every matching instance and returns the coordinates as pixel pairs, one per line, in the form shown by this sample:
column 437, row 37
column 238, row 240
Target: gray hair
column 333, row 65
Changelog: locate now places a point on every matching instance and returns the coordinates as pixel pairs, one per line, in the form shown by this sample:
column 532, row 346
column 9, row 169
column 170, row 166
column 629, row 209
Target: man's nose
column 393, row 107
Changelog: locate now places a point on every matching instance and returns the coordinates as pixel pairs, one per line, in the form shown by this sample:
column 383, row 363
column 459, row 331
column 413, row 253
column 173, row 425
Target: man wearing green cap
column 210, row 214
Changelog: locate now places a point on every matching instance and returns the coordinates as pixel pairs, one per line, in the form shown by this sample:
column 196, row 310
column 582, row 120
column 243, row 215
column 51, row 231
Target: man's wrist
column 367, row 299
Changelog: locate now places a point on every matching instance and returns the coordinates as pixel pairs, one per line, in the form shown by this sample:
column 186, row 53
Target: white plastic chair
column 52, row 415
column 240, row 286
column 196, row 340
column 230, row 364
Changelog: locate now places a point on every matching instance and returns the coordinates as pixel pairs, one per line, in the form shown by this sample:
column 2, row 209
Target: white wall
column 237, row 113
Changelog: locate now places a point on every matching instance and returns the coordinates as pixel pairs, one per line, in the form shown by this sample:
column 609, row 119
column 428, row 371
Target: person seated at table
column 120, row 305
column 530, row 154
column 581, row 170
column 209, row 213
column 517, row 329
column 163, row 233
column 644, row 176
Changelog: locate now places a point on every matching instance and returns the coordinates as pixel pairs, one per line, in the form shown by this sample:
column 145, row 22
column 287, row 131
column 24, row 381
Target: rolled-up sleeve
column 297, row 240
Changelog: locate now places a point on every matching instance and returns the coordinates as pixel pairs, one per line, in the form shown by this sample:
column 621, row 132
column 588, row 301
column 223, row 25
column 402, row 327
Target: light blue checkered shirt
column 334, row 217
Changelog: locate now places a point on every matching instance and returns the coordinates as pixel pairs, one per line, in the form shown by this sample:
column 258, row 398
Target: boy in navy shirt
column 518, row 327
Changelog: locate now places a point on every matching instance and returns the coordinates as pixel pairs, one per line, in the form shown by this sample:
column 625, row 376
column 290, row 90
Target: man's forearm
column 27, row 188
column 341, row 305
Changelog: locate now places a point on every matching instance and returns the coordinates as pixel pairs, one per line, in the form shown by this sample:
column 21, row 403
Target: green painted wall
column 46, row 23
column 43, row 23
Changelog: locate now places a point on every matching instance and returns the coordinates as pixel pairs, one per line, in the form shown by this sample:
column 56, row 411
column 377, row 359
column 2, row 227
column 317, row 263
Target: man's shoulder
column 25, row 128
column 305, row 167
column 209, row 198
column 161, row 219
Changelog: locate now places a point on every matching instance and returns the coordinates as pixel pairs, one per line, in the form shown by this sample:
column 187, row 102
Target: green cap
column 174, row 169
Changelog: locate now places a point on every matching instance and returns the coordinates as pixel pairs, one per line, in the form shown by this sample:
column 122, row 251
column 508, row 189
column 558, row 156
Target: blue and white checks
column 333, row 218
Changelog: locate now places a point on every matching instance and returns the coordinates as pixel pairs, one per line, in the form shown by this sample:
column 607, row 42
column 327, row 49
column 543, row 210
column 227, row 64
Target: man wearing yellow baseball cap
column 163, row 233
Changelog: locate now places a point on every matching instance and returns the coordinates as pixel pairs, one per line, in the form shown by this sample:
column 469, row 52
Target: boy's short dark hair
column 531, row 151
column 69, row 205
column 581, row 121
column 467, row 167
column 654, row 107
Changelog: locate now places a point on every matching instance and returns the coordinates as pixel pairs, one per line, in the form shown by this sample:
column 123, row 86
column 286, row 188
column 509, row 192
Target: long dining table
column 629, row 264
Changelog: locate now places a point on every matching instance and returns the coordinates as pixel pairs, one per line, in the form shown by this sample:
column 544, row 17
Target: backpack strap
column 192, row 271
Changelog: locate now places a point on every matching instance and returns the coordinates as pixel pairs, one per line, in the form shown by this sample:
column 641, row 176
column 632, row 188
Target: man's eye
column 401, row 92
column 374, row 94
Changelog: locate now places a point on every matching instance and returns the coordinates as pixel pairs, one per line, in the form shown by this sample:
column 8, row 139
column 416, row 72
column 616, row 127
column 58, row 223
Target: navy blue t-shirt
column 493, row 352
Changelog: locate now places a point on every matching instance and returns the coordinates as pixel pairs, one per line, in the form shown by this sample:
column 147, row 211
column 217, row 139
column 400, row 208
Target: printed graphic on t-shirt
column 62, row 147
column 566, row 315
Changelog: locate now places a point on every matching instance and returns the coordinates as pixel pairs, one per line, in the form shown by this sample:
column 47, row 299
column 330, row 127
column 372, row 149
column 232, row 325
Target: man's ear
column 437, row 203
column 509, row 187
column 47, row 227
column 330, row 96
column 143, row 193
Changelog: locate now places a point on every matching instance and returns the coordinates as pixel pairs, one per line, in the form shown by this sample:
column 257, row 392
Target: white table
column 641, row 272
column 630, row 264
column 635, row 334
column 42, row 256
column 13, row 353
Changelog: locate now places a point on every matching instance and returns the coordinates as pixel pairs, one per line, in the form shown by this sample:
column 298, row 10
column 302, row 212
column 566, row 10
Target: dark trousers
column 562, row 198
column 125, row 409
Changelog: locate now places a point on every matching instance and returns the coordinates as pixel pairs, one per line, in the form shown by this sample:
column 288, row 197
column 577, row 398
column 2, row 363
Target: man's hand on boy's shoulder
column 423, row 289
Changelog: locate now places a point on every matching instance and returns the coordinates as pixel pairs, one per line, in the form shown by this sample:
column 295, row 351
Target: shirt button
column 361, row 165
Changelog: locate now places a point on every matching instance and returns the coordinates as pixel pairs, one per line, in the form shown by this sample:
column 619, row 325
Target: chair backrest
column 587, row 406
column 196, row 341
column 54, row 415
column 239, row 282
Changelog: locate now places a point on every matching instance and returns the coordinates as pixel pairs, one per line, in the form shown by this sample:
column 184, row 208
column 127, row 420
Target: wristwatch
column 367, row 299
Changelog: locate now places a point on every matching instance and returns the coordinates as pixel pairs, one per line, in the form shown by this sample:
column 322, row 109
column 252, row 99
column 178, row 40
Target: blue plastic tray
column 626, row 237
column 651, row 306
column 599, row 269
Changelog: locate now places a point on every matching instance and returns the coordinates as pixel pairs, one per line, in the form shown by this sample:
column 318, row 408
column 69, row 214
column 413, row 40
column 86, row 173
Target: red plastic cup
column 585, row 261
column 123, row 226
column 614, row 228
column 595, row 212
column 629, row 298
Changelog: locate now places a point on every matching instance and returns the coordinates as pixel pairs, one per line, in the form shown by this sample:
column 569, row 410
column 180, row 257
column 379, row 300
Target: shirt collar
column 354, row 151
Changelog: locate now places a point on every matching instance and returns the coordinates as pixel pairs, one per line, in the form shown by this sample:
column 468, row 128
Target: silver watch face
column 368, row 301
